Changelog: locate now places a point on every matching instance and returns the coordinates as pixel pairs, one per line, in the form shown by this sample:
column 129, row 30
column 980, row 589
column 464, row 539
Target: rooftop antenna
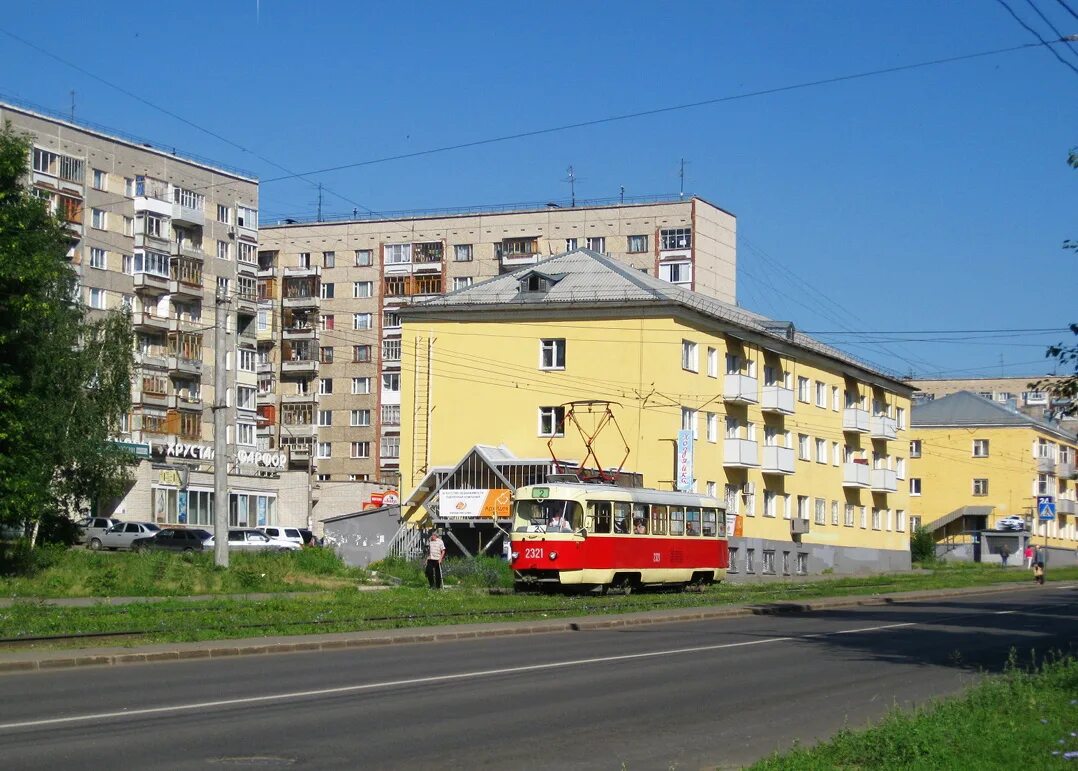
column 72, row 105
column 571, row 179
column 319, row 201
column 621, row 195
column 681, row 173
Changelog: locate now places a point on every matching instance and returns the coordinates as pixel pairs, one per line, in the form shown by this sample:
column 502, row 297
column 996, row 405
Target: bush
column 18, row 559
column 408, row 572
column 922, row 545
column 478, row 572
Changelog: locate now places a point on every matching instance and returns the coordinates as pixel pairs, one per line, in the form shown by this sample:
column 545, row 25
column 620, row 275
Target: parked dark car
column 176, row 539
column 308, row 537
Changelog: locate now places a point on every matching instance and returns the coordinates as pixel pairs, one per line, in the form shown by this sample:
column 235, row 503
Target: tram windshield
column 546, row 516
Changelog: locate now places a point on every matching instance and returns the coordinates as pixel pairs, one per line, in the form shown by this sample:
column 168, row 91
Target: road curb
column 53, row 660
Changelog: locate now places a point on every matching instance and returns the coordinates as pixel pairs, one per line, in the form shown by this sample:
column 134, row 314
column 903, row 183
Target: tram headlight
column 516, row 555
column 553, row 555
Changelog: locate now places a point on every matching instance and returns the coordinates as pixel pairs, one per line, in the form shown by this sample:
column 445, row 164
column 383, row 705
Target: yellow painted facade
column 1005, row 467
column 768, row 414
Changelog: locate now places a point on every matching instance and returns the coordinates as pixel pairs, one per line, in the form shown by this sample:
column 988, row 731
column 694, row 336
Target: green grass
column 1018, row 720
column 60, row 572
column 407, row 606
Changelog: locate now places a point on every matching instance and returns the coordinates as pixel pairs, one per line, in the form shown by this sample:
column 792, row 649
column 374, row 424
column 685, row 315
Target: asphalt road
column 688, row 695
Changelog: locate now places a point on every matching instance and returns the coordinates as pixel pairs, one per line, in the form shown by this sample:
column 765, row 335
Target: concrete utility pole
column 220, row 416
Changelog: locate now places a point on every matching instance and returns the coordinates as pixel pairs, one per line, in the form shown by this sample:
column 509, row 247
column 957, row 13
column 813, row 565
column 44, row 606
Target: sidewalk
column 31, row 660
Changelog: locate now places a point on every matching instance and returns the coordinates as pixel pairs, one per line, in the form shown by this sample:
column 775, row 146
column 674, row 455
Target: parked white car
column 1013, row 522
column 292, row 534
column 90, row 530
column 120, row 535
column 250, row 539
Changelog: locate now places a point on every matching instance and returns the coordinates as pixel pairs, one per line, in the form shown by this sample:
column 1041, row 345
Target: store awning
column 962, row 511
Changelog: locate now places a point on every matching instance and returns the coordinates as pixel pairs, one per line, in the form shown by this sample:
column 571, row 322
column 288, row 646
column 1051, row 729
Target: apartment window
column 325, row 354
column 97, row 298
column 325, row 291
column 224, row 250
column 127, row 263
column 364, row 257
column 398, row 254
column 97, row 219
column 770, row 503
column 900, row 520
column 245, row 398
column 675, row 238
column 803, row 446
column 361, row 321
column 462, row 253
column 802, row 563
column 748, row 496
column 325, row 385
column 980, row 487
column 246, row 358
column 980, row 448
column 188, row 199
column 769, row 561
column 361, row 449
column 821, row 395
column 101, row 179
column 552, row 353
column 876, row 520
column 391, row 414
column 224, row 214
column 361, row 289
column 802, row 507
column 247, row 253
column 864, row 517
column 836, row 456
column 803, row 389
column 597, row 244
column 361, row 385
column 391, row 381
column 97, row 258
column 326, row 321
column 222, row 285
column 676, row 272
column 915, row 485
column 821, row 451
column 128, row 226
column 461, row 282
column 750, row 560
column 900, row 418
column 834, row 512
column 129, row 187
column 733, row 428
column 360, row 418
column 709, row 489
column 900, row 468
column 688, row 421
column 361, row 353
column 391, row 446
column 712, row 362
column 847, row 515
column 689, row 356
column 246, row 218
column 915, row 448
column 836, row 400
column 325, row 417
column 638, row 244
column 820, row 511
column 324, row 450
column 329, row 259
column 551, row 421
column 712, row 427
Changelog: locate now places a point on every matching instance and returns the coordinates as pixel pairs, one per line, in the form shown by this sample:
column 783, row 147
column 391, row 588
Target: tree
column 1065, row 389
column 65, row 379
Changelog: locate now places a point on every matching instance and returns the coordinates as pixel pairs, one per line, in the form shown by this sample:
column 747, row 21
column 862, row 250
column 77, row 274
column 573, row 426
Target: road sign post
column 1046, row 512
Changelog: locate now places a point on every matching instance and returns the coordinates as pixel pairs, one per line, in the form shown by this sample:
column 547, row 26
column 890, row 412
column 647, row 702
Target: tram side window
column 621, row 517
column 677, row 520
column 658, row 520
column 640, row 518
column 692, row 521
column 710, row 520
column 599, row 513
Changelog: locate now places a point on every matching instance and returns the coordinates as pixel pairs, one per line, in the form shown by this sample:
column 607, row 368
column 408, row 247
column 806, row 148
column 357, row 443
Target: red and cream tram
column 587, row 536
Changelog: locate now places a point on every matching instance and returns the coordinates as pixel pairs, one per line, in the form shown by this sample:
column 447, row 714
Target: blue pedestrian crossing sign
column 1046, row 507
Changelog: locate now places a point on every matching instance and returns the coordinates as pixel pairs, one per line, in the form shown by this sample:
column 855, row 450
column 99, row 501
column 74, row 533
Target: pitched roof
column 965, row 408
column 586, row 277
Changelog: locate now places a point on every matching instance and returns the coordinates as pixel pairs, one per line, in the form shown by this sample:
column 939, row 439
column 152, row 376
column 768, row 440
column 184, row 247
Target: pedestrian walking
column 1038, row 572
column 435, row 555
column 1004, row 553
column 1028, row 554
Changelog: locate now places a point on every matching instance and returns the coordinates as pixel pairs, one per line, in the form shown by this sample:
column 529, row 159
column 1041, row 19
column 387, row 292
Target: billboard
column 474, row 504
column 684, row 460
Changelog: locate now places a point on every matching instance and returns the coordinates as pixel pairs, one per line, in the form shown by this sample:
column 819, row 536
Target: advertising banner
column 474, row 504
column 684, row 460
column 733, row 526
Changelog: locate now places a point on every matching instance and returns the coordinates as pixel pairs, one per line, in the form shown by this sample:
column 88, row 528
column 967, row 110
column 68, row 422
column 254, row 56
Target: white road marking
column 424, row 680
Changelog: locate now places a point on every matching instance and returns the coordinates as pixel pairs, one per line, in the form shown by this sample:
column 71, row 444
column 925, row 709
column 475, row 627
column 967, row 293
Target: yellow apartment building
column 804, row 442
column 975, row 461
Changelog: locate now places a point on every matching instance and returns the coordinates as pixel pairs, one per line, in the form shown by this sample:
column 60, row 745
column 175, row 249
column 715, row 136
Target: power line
column 673, row 108
column 1069, row 9
column 1037, row 35
column 1051, row 26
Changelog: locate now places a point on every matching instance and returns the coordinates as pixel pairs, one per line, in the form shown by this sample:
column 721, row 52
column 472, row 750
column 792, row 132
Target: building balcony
column 1046, row 465
column 1066, row 470
column 152, row 242
column 150, row 399
column 883, row 480
column 248, row 268
column 299, row 398
column 149, row 360
column 154, row 205
column 246, row 304
column 300, row 367
column 151, row 284
column 264, row 398
column 299, row 453
column 1066, row 506
column 191, row 252
column 185, row 402
column 856, row 475
column 883, row 427
column 185, row 290
column 182, row 325
column 184, row 366
column 247, row 337
column 740, row 453
column 269, row 271
column 247, row 234
column 740, row 389
column 299, row 332
column 307, row 301
column 148, row 322
column 777, row 400
column 778, row 460
column 516, row 260
column 298, row 272
column 264, row 368
column 183, row 215
column 855, row 419
column 299, row 429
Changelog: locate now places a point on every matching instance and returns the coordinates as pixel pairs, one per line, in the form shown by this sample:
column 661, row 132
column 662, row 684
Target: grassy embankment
column 1021, row 719
column 345, row 609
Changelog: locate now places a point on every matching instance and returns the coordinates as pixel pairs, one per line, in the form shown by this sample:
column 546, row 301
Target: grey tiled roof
column 587, row 277
column 969, row 409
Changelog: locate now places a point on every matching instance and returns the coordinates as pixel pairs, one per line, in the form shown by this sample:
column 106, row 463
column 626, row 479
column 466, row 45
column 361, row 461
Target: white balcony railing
column 740, row 453
column 884, row 480
column 778, row 460
column 855, row 419
column 855, row 475
column 777, row 399
column 740, row 388
column 883, row 427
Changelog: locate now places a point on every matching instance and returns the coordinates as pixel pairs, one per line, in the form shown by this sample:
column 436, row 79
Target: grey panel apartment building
column 329, row 331
column 159, row 233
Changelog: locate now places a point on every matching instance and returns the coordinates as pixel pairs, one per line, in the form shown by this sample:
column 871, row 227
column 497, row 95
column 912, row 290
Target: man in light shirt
column 435, row 555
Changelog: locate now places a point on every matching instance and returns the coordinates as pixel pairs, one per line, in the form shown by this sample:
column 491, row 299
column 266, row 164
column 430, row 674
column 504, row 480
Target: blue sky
column 932, row 199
